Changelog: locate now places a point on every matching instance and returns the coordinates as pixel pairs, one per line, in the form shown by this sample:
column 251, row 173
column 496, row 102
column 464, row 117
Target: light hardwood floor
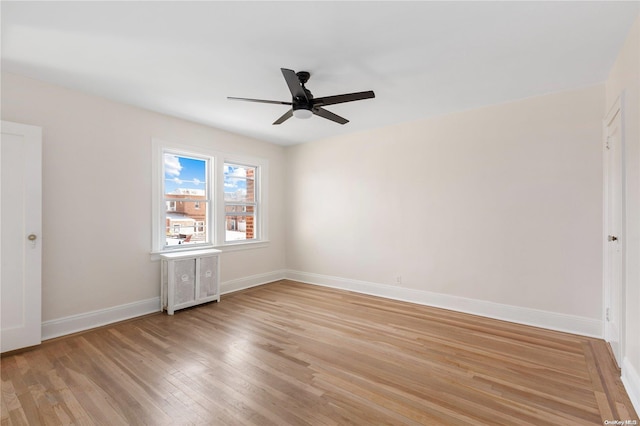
column 294, row 354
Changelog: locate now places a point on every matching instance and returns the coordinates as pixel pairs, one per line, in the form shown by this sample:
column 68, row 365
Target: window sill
column 156, row 255
column 243, row 246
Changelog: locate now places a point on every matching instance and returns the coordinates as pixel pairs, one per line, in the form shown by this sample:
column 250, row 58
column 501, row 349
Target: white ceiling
column 421, row 58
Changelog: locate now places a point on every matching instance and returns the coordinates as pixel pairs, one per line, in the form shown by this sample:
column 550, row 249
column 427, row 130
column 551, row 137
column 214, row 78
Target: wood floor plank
column 288, row 353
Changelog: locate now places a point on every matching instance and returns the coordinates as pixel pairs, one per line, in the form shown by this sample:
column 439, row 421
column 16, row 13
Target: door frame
column 616, row 108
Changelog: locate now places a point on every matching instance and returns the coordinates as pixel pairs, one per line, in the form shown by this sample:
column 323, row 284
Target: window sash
column 250, row 202
column 177, row 204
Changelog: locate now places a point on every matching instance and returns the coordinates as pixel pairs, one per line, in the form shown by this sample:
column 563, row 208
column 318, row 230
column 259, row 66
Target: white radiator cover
column 189, row 278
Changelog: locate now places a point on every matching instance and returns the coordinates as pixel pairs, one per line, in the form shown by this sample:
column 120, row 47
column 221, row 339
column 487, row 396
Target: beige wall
column 625, row 78
column 501, row 204
column 97, row 153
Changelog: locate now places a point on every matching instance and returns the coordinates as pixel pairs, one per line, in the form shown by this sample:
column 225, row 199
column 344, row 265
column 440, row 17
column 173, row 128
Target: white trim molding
column 527, row 316
column 631, row 381
column 538, row 318
column 251, row 281
column 86, row 321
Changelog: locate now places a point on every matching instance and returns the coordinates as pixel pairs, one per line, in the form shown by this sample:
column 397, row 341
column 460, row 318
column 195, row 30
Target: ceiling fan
column 303, row 104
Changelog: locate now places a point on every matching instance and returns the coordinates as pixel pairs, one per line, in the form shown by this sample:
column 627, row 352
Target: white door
column 20, row 235
column 613, row 217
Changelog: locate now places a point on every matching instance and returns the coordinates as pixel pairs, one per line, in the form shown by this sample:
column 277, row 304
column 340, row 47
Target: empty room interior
column 320, row 213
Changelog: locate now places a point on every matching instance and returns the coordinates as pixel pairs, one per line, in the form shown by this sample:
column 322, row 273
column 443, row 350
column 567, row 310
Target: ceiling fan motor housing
column 302, row 109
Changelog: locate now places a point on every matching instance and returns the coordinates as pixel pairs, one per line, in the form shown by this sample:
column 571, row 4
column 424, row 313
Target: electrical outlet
column 399, row 280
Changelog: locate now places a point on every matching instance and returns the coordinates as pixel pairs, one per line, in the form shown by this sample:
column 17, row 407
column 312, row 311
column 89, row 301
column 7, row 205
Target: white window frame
column 159, row 214
column 257, row 204
column 261, row 196
column 216, row 214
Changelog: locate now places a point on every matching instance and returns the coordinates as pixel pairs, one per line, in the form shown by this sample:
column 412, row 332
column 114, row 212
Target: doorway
column 614, row 244
column 21, row 236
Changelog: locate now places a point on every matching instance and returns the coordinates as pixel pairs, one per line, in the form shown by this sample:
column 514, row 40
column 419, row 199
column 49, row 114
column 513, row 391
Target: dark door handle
column 613, row 238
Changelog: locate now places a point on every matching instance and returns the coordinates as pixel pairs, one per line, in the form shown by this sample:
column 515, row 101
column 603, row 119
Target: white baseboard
column 81, row 322
column 631, row 381
column 534, row 317
column 251, row 281
column 551, row 320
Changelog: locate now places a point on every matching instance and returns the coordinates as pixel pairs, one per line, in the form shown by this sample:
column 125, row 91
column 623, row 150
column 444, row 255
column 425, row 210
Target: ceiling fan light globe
column 302, row 113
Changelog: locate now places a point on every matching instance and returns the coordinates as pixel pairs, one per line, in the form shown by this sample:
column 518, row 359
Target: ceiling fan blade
column 287, row 115
column 329, row 115
column 294, row 84
column 262, row 101
column 338, row 99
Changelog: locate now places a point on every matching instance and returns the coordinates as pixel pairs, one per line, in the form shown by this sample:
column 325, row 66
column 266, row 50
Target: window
column 205, row 198
column 187, row 197
column 200, row 227
column 240, row 202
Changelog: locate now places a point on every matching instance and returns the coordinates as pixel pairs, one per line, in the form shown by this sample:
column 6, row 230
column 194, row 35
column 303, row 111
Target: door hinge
column 607, row 142
column 607, row 315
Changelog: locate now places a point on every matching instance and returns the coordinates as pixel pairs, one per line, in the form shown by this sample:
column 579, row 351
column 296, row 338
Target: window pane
column 185, row 197
column 185, row 175
column 239, row 228
column 186, row 224
column 240, row 202
column 239, row 183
